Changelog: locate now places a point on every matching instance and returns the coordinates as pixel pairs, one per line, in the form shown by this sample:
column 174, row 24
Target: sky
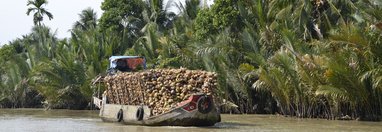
column 14, row 21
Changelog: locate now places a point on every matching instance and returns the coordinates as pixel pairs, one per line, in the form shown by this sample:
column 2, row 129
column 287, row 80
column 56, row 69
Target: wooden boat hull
column 195, row 111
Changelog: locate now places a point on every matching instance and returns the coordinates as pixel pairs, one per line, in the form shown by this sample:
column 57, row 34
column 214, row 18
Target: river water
column 37, row 120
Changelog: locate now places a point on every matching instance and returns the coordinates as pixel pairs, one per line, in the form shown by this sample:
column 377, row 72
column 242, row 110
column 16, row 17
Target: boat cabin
column 126, row 64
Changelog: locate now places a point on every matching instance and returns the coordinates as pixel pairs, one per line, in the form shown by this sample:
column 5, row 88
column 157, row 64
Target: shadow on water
column 229, row 125
column 219, row 127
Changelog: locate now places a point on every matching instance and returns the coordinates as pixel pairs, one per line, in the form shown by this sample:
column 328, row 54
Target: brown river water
column 37, row 120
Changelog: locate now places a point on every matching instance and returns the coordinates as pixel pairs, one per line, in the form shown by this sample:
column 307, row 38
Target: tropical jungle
column 299, row 58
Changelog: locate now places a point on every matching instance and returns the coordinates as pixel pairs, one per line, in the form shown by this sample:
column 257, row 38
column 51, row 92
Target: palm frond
column 334, row 92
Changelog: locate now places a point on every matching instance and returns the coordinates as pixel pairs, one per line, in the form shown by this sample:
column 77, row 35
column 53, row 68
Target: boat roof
column 113, row 58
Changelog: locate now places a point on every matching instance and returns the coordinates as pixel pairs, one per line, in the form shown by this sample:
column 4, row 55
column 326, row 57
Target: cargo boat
column 198, row 110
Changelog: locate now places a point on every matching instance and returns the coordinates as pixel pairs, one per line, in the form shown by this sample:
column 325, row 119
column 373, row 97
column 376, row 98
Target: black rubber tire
column 140, row 113
column 120, row 115
column 202, row 107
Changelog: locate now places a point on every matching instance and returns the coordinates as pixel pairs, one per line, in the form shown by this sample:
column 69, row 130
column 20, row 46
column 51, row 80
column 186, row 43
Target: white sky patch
column 14, row 21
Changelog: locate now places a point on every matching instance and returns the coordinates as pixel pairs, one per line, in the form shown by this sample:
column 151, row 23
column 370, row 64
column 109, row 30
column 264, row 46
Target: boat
column 198, row 110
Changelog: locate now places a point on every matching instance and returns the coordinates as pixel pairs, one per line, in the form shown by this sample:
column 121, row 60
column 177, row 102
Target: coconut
column 160, row 89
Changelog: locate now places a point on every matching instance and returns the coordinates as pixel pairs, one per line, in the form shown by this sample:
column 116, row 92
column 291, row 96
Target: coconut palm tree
column 159, row 14
column 322, row 76
column 62, row 80
column 41, row 44
column 88, row 20
column 15, row 84
column 39, row 11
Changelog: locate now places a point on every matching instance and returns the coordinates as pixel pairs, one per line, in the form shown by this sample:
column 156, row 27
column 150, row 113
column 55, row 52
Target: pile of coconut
column 160, row 89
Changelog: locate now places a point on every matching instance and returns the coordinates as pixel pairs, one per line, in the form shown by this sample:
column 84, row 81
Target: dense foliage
column 307, row 58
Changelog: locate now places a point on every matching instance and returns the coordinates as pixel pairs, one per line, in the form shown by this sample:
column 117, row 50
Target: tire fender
column 140, row 113
column 204, row 104
column 120, row 115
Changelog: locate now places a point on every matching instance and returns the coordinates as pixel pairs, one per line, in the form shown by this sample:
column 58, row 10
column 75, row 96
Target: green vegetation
column 38, row 10
column 309, row 58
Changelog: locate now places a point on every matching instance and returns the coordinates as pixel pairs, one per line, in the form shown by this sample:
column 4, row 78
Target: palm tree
column 64, row 80
column 60, row 81
column 41, row 43
column 318, row 77
column 159, row 14
column 88, row 20
column 192, row 8
column 15, row 85
column 39, row 11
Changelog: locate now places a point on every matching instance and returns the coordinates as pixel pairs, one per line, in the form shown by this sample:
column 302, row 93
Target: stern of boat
column 197, row 110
